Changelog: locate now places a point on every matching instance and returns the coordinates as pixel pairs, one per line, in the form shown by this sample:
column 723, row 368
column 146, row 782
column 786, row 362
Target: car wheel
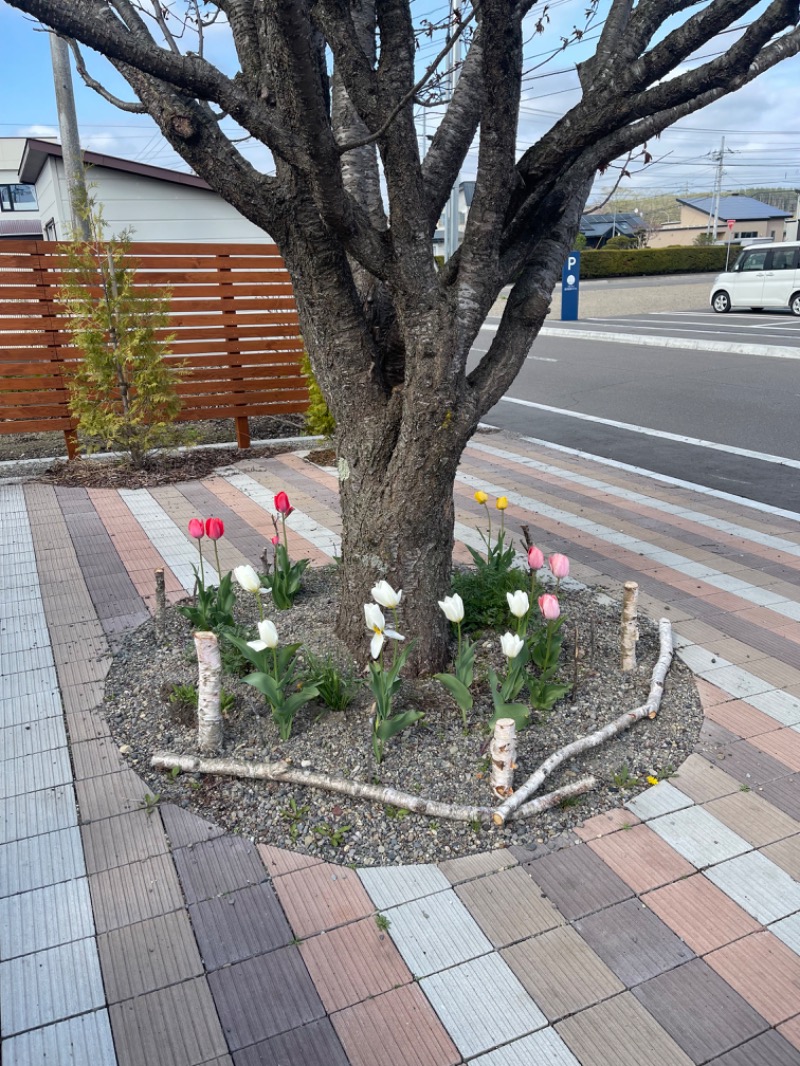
column 794, row 304
column 721, row 302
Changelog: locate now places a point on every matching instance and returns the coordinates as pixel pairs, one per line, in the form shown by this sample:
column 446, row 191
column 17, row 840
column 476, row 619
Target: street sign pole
column 570, row 284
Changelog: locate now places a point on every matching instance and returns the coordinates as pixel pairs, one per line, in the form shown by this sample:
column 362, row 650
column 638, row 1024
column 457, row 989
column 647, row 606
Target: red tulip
column 559, row 564
column 214, row 528
column 282, row 504
column 535, row 558
column 276, row 539
column 196, row 529
column 548, row 605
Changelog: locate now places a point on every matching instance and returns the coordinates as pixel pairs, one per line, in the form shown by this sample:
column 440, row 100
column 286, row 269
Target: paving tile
column 561, row 972
column 82, row 1041
column 702, row 916
column 314, row 1043
column 787, row 930
column 508, row 906
column 123, row 839
column 40, row 860
column 784, row 794
column 790, row 1031
column 543, row 1048
column 45, row 918
column 471, row 866
column 747, row 764
column 149, row 955
column 699, row 837
column 279, row 861
column 353, row 963
column 702, row 1013
column 698, row 779
column 389, row 886
column 758, row 885
column 657, row 800
column 92, row 758
column 781, row 744
column 764, row 971
column 239, row 924
column 436, row 932
column 477, row 1022
column 20, row 740
column 578, row 881
column 619, row 1032
column 782, row 707
column 128, row 894
column 261, row 997
column 641, row 858
column 398, row 1028
column 742, row 719
column 48, row 986
column 103, row 797
column 37, row 812
column 32, row 773
column 322, row 897
column 219, row 865
column 757, row 821
column 768, row 1049
column 607, row 822
column 184, row 828
column 786, row 854
column 175, row 1026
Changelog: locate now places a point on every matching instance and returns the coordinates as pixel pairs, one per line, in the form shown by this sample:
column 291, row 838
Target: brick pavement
column 666, row 931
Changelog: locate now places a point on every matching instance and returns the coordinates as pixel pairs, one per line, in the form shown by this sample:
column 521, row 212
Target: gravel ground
column 435, row 758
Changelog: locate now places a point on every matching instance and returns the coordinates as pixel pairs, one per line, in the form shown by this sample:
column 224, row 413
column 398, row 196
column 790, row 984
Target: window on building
column 747, row 233
column 18, row 198
column 50, row 230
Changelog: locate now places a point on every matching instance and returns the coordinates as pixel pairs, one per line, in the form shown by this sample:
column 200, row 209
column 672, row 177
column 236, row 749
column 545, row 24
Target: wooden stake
column 629, row 627
column 503, row 752
column 161, row 592
column 209, row 686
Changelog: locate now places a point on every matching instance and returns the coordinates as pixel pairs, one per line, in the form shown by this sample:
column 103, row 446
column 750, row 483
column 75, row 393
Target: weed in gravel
column 623, row 778
column 294, row 815
column 335, row 837
column 382, row 922
column 396, row 812
column 337, row 687
column 183, row 703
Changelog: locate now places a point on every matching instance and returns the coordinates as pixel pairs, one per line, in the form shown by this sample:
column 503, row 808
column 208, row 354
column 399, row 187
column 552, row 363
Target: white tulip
column 268, row 634
column 453, row 607
column 248, row 579
column 518, row 603
column 384, row 594
column 377, row 624
column 511, row 645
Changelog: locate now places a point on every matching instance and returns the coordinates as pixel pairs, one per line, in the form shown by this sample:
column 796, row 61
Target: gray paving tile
column 45, row 918
column 769, row 1049
column 389, row 886
column 264, row 996
column 149, row 955
column 35, row 682
column 436, row 932
column 699, row 837
column 125, row 838
column 49, row 986
column 128, row 894
column 34, row 862
column 222, row 864
column 239, row 925
column 37, row 812
column 657, row 800
column 633, row 942
column 508, row 906
column 314, row 1043
column 788, row 930
column 758, row 885
column 184, row 828
column 82, row 1041
column 32, row 773
column 784, row 794
column 545, row 1048
column 477, row 1022
column 578, row 881
column 699, row 1010
column 20, row 740
column 30, row 708
column 778, row 705
column 103, row 797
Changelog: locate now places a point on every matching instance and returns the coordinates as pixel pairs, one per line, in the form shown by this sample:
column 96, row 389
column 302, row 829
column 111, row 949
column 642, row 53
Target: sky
column 760, row 123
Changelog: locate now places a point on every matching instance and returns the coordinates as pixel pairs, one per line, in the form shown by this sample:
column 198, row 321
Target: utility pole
column 713, row 218
column 451, row 234
column 70, row 140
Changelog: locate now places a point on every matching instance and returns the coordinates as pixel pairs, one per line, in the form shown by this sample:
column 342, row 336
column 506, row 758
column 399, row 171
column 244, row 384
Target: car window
column 754, row 261
column 783, row 258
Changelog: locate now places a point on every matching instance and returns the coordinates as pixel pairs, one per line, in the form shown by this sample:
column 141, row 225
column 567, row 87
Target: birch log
column 161, row 592
column 503, row 753
column 629, row 627
column 209, row 715
column 594, row 740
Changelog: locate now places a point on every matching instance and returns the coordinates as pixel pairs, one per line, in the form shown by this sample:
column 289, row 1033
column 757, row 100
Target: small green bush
column 484, row 596
column 319, row 420
column 690, row 259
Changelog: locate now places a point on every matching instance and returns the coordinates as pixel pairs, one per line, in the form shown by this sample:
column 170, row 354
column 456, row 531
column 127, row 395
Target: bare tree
column 387, row 332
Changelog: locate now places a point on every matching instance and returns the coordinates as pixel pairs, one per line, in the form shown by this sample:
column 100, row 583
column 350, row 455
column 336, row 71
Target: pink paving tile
column 791, row 1031
column 741, row 718
column 710, row 694
column 279, row 861
column 782, row 744
column 641, row 858
column 608, row 822
column 764, row 971
column 322, row 897
column 703, row 916
column 353, row 963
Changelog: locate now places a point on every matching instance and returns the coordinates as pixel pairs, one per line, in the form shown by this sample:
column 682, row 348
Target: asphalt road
column 644, row 389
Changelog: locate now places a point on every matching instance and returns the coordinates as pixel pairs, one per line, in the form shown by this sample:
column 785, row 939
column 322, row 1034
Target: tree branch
column 123, row 105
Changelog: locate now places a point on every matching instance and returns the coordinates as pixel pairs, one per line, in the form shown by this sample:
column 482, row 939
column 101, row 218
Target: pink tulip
column 196, row 528
column 559, row 564
column 548, row 605
column 214, row 528
column 535, row 558
column 282, row 504
column 276, row 539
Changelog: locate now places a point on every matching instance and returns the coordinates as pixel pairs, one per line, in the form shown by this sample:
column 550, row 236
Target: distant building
column 600, row 228
column 19, row 208
column 751, row 218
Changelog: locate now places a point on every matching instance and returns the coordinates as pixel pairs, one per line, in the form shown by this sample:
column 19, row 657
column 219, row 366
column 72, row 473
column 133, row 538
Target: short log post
column 503, row 752
column 209, row 685
column 629, row 627
column 242, row 432
column 161, row 603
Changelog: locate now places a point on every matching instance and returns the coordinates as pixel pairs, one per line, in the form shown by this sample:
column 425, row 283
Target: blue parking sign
column 570, row 285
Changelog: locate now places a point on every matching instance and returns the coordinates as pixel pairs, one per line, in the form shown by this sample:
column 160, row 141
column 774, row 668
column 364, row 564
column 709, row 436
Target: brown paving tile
column 701, row 781
column 126, row 838
column 398, row 1028
column 702, row 916
column 784, row 794
column 264, row 996
column 128, row 894
column 239, row 925
column 110, row 794
column 608, row 822
column 790, row 1031
column 184, row 828
column 753, row 818
column 353, row 963
column 702, row 1013
column 641, row 858
column 280, row 861
column 93, row 758
column 216, row 866
column 147, row 956
column 741, row 718
column 509, row 906
column 764, row 971
column 620, row 1032
column 786, row 854
column 176, row 1026
column 769, row 1049
column 561, row 972
column 471, row 866
column 322, row 897
column 578, row 881
column 312, row 1044
column 781, row 744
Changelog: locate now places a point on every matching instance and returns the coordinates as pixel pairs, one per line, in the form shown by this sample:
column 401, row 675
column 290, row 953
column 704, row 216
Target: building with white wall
column 19, row 208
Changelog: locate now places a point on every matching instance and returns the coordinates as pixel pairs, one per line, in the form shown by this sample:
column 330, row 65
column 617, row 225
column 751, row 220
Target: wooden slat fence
column 232, row 313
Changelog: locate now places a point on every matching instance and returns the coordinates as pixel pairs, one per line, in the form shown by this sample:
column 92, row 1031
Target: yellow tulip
column 481, row 497
column 502, row 503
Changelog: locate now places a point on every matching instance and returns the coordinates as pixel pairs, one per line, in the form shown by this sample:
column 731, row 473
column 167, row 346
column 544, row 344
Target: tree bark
column 503, row 752
column 209, row 688
column 629, row 628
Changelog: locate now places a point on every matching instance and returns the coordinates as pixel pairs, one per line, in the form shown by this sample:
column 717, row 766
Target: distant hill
column 665, row 208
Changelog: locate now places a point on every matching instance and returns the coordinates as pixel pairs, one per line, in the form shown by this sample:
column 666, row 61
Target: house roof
column 36, row 153
column 739, row 208
column 621, row 225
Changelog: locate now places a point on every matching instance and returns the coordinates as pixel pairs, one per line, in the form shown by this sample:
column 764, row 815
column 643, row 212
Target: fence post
column 45, row 280
column 242, row 422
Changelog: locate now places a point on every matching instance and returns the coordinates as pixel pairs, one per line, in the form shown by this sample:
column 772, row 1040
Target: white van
column 767, row 275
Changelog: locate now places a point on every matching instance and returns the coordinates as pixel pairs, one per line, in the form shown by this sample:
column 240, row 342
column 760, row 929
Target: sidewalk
column 667, row 932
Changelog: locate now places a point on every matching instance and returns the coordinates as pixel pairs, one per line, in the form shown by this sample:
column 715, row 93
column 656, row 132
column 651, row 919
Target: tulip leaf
column 520, row 714
column 459, row 691
column 390, row 727
column 267, row 685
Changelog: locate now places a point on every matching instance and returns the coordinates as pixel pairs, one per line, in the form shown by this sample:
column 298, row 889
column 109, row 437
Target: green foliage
column 212, row 611
column 484, row 594
column 123, row 392
column 459, row 683
column 335, row 837
column 621, row 241
column 319, row 420
column 277, row 677
column 233, row 662
column 294, row 815
column 623, row 778
column 183, row 696
column 382, row 922
column 336, row 687
column 285, row 579
column 703, row 240
column 545, row 650
column 645, row 261
column 580, row 242
column 384, row 683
